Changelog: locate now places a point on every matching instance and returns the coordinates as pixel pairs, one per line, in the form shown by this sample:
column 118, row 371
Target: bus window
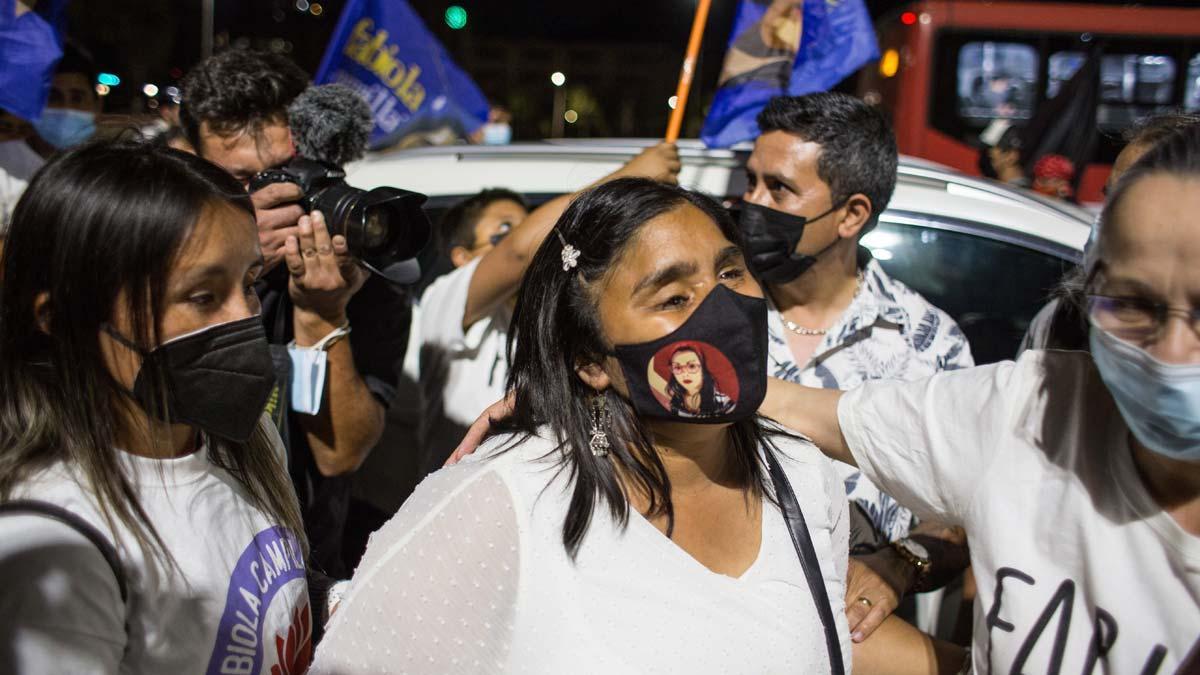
column 1133, row 86
column 996, row 80
column 1191, row 96
column 1136, row 78
column 1062, row 67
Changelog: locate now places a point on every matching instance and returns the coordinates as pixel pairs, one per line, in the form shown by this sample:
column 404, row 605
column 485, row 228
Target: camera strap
column 802, row 542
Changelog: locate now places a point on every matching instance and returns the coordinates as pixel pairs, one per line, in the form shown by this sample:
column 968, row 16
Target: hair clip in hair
column 570, row 254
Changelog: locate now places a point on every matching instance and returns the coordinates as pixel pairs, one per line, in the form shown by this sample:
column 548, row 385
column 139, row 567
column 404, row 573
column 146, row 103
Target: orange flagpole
column 689, row 67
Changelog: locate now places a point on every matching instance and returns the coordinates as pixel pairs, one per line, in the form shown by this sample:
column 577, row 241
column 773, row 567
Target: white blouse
column 471, row 576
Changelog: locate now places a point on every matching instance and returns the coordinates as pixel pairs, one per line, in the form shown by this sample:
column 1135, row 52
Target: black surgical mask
column 771, row 238
column 218, row 378
column 719, row 353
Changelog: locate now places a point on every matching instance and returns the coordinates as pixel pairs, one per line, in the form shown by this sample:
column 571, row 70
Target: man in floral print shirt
column 822, row 171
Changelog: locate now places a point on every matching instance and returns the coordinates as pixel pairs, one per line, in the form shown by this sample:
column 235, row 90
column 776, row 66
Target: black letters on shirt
column 993, row 619
column 1064, row 597
column 1104, row 634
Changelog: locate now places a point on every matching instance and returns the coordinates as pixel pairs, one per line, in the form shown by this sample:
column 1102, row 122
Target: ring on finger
column 324, row 250
column 865, row 601
column 310, row 252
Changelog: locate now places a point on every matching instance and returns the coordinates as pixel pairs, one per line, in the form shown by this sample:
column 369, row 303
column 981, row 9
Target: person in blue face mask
column 69, row 118
column 1075, row 475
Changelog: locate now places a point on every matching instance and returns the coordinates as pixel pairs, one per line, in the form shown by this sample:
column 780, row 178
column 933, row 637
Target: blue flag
column 30, row 47
column 383, row 50
column 779, row 47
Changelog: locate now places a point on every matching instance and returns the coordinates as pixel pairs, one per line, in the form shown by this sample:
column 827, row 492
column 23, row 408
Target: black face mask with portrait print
column 728, row 335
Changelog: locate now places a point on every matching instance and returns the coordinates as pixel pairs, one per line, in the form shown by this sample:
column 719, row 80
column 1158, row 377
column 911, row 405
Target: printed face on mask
column 209, row 312
column 687, row 322
column 1144, row 313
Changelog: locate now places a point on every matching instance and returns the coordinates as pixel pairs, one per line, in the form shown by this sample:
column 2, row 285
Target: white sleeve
column 61, row 609
column 929, row 443
column 436, row 591
column 443, row 307
column 839, row 519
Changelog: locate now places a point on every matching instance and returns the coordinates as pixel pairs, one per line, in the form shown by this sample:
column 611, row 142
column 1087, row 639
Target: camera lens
column 375, row 227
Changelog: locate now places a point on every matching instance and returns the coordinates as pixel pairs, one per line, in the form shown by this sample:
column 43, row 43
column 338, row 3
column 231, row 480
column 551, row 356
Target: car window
column 991, row 288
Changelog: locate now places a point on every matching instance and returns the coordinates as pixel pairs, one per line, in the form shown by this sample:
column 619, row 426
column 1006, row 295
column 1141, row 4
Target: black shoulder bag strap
column 802, row 541
column 78, row 524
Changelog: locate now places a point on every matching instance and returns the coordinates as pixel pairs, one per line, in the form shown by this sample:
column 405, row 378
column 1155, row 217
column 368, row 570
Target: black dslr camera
column 384, row 227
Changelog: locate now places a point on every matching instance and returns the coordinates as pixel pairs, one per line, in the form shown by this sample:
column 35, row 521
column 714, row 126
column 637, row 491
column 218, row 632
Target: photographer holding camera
column 334, row 385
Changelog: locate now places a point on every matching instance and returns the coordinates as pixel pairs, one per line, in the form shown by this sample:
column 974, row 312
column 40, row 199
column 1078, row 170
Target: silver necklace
column 813, row 332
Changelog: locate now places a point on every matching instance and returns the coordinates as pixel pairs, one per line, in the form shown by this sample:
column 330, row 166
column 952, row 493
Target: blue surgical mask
column 1160, row 402
column 308, row 378
column 497, row 134
column 65, row 128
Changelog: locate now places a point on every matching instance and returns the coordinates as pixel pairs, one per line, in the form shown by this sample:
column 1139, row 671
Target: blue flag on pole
column 30, row 47
column 781, row 47
column 383, row 50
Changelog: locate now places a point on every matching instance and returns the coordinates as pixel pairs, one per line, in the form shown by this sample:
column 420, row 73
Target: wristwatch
column 917, row 556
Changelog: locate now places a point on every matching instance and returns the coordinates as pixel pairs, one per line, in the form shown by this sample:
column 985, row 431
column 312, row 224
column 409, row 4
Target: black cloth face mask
column 218, row 378
column 771, row 238
column 710, row 370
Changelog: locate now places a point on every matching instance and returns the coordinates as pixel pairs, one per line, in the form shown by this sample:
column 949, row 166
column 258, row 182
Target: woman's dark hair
column 457, row 225
column 556, row 327
column 97, row 232
column 708, row 385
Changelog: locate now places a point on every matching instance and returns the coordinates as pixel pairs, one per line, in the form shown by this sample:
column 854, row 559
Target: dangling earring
column 600, row 419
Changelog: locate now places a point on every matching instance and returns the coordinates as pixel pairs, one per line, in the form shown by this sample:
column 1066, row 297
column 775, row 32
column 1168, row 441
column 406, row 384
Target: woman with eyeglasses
column 1076, row 476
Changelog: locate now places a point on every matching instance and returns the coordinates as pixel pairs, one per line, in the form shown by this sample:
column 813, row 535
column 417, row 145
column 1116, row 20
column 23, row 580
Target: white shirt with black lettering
column 236, row 604
column 1078, row 569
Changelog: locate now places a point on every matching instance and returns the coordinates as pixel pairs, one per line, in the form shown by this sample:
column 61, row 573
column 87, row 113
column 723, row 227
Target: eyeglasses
column 683, row 368
column 1135, row 319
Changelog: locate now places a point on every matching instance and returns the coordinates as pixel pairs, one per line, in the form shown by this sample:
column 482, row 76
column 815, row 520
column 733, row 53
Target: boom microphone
column 330, row 123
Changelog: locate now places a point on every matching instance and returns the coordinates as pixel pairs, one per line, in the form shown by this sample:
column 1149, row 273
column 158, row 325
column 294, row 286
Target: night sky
column 156, row 40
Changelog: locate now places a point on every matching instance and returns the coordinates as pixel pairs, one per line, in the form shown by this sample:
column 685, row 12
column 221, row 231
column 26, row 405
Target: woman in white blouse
column 606, row 532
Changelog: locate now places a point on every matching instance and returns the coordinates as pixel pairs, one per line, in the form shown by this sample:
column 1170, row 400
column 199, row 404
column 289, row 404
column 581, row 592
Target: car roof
column 926, row 193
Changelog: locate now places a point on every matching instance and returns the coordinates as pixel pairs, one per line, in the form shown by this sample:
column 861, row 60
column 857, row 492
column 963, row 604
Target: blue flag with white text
column 30, row 47
column 785, row 47
column 418, row 96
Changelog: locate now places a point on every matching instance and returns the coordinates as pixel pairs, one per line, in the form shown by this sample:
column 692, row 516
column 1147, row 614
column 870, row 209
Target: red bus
column 948, row 68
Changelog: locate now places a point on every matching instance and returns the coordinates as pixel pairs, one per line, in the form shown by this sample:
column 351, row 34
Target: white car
column 987, row 254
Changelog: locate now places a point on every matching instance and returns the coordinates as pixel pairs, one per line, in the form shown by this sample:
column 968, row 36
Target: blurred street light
column 103, row 89
column 571, row 117
column 108, row 79
column 558, row 79
column 456, row 17
column 150, row 90
column 672, row 102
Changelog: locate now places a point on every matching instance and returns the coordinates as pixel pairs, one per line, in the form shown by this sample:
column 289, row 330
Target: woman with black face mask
column 604, row 530
column 147, row 522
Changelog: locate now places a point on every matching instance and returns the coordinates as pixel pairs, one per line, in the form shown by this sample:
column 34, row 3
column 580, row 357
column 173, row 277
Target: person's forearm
column 813, row 412
column 351, row 420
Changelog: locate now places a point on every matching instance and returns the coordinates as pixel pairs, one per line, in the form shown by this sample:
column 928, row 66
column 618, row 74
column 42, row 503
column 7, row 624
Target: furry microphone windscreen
column 330, row 123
